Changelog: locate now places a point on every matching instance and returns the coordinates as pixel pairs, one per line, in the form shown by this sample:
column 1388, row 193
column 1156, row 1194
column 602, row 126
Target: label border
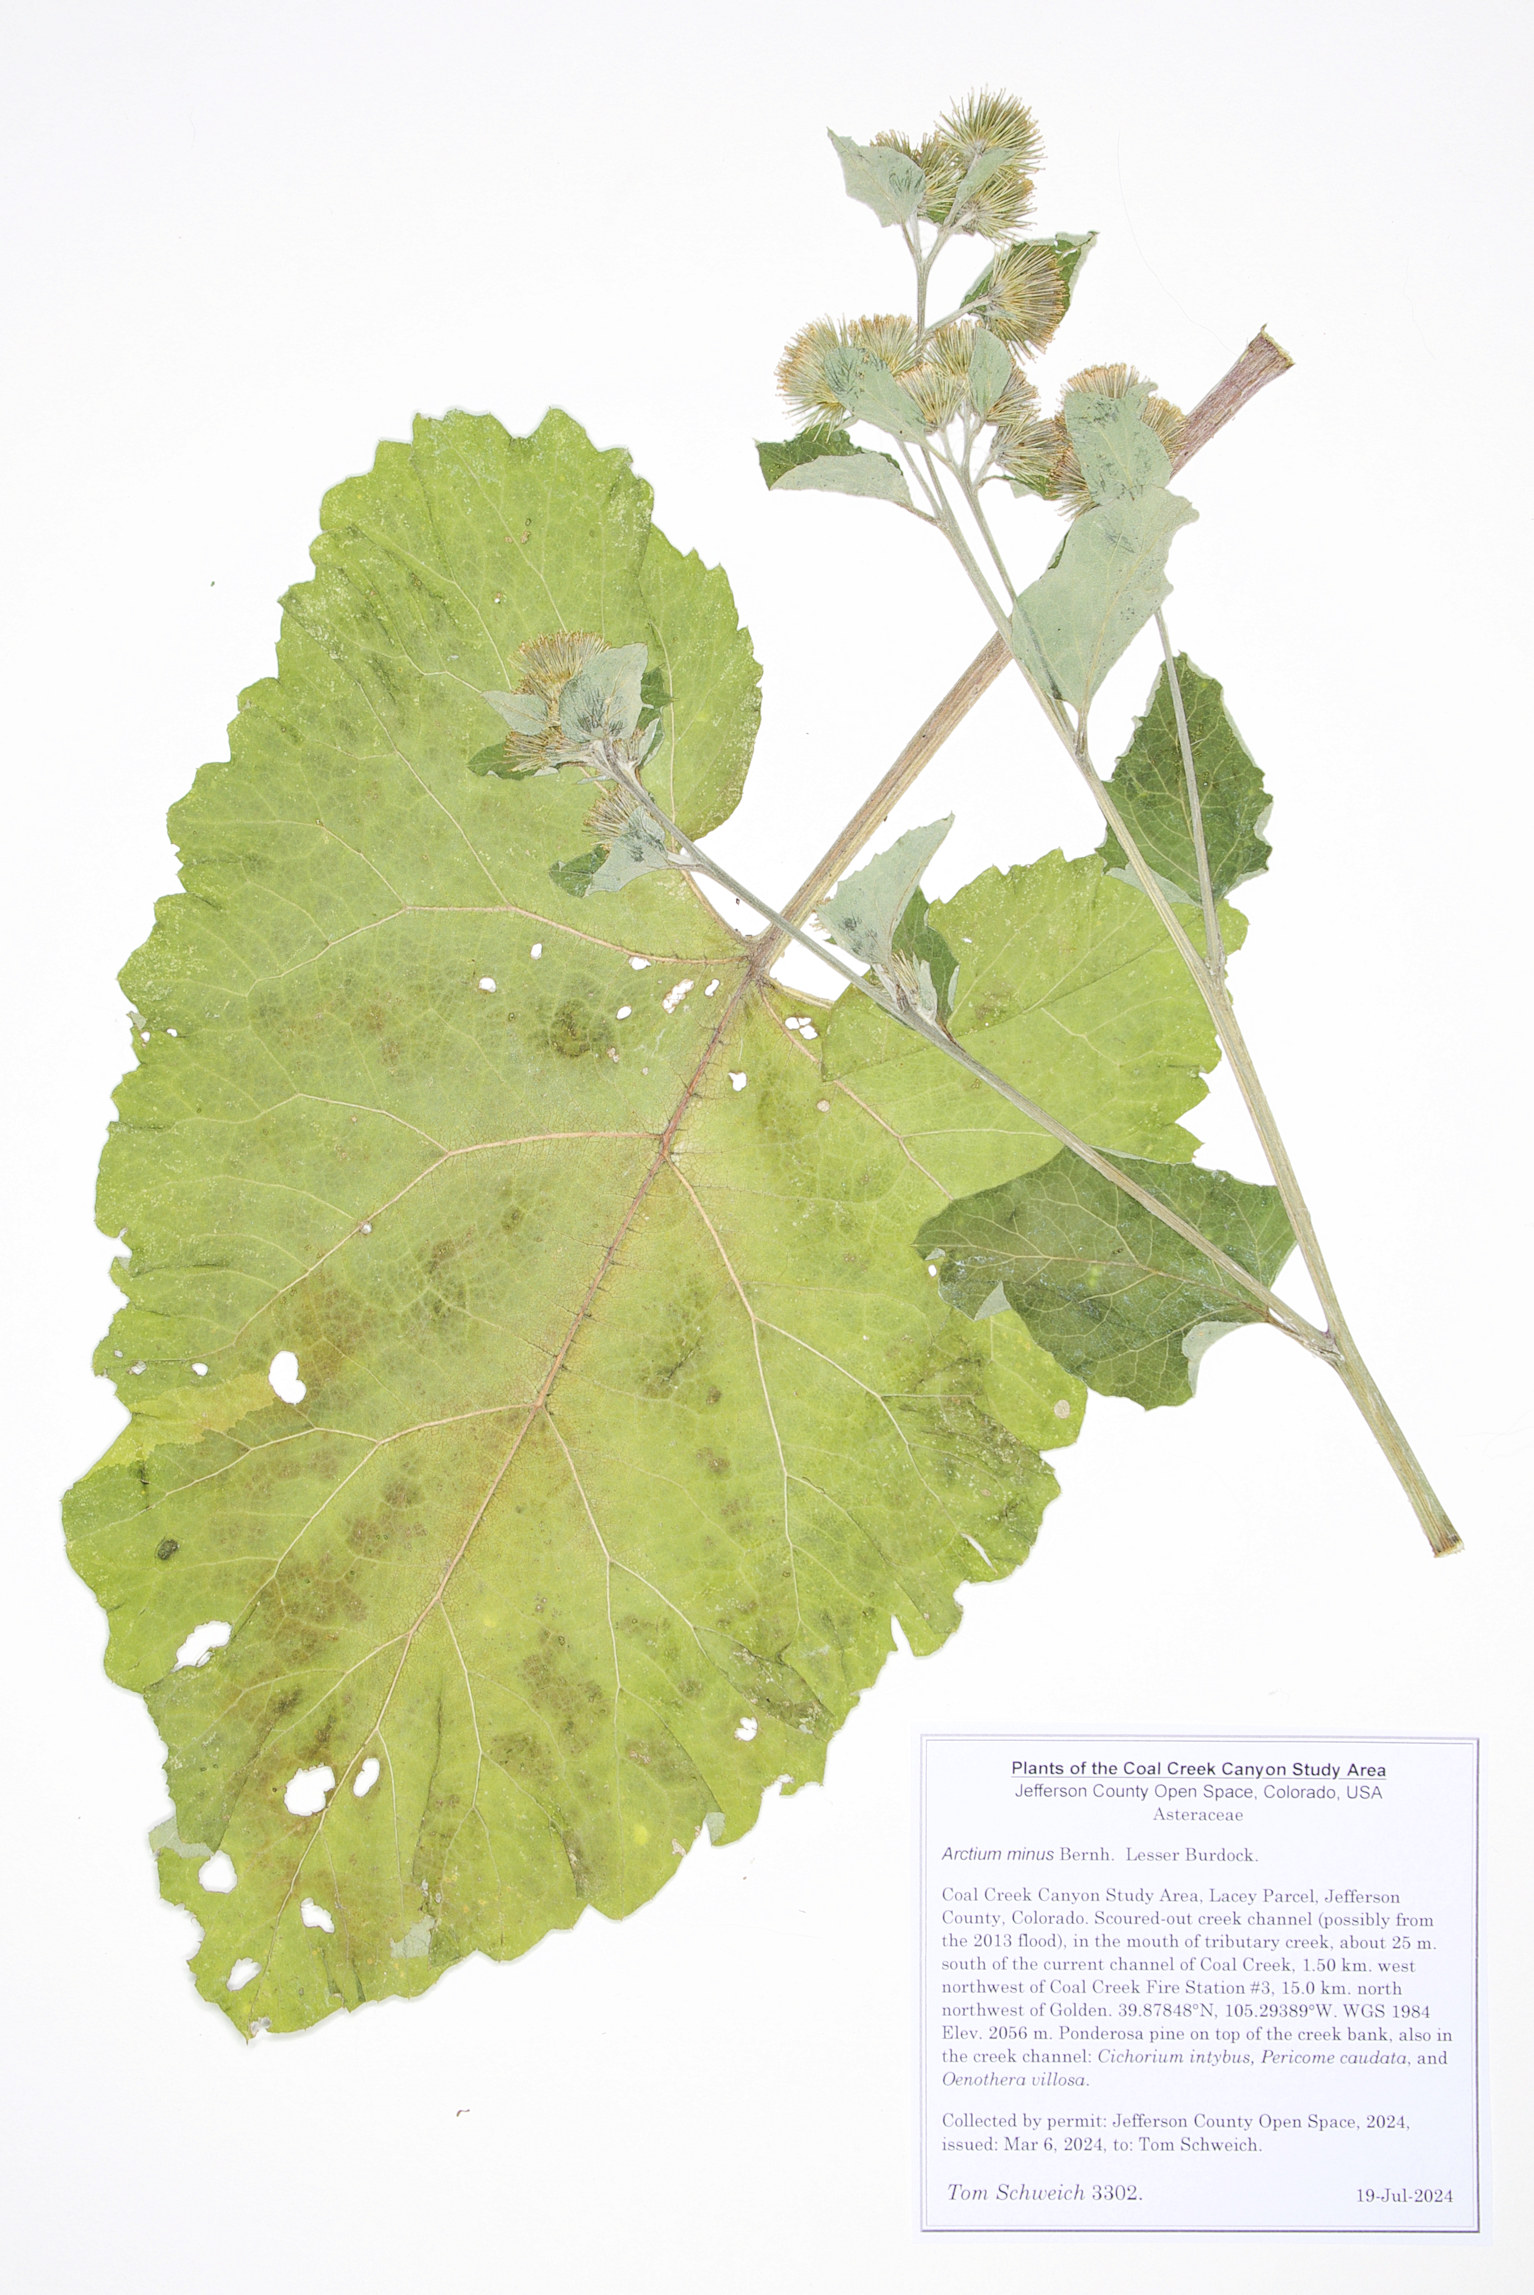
column 1198, row 2231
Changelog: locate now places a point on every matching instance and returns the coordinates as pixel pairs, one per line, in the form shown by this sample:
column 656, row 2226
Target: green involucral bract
column 628, row 1417
column 822, row 439
column 1149, row 785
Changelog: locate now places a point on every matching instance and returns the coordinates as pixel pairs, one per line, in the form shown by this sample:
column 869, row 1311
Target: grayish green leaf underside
column 865, row 385
column 1120, row 456
column 1150, row 787
column 1071, row 625
column 638, row 848
column 862, row 914
column 990, row 370
column 861, row 472
column 1112, row 1292
column 631, row 1416
column 888, row 181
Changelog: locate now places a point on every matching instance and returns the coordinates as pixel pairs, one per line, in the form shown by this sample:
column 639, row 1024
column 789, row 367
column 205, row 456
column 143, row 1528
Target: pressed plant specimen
column 556, row 1350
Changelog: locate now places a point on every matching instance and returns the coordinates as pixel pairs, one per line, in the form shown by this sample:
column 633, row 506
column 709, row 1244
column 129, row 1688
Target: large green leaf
column 628, row 1418
column 1109, row 1288
column 1150, row 787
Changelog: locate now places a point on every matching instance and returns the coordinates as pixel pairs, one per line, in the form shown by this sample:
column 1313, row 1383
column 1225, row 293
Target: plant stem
column 1354, row 1372
column 1259, row 364
column 1349, row 1363
column 1206, row 968
column 972, row 497
column 1214, row 945
column 966, row 556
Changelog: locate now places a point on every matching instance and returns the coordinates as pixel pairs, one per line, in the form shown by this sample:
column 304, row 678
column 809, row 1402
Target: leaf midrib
column 752, row 977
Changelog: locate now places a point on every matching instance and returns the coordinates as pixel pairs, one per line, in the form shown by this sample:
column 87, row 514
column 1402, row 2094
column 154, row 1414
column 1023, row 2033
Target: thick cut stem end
column 1381, row 1421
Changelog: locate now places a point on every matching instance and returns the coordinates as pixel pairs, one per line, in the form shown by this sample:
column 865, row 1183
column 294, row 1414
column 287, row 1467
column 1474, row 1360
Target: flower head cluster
column 984, row 127
column 976, row 176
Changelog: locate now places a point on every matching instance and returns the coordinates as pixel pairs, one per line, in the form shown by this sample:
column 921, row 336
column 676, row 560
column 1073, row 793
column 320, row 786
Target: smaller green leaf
column 575, row 877
column 866, row 387
column 888, row 181
column 1070, row 250
column 930, row 957
column 1150, row 788
column 863, row 913
column 1111, row 1291
column 1108, row 580
column 1120, row 456
column 653, row 690
column 604, row 697
column 777, row 455
column 861, row 472
column 523, row 712
column 990, row 370
column 493, row 760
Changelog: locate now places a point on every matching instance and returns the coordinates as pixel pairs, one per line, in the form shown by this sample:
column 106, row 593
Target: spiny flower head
column 984, row 123
column 952, row 346
column 937, row 391
column 992, row 121
column 549, row 663
column 1015, row 412
column 1022, row 298
column 806, row 375
column 889, row 338
column 1064, row 481
column 1025, row 445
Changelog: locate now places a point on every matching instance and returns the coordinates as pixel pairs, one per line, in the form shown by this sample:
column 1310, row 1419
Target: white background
column 245, row 242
